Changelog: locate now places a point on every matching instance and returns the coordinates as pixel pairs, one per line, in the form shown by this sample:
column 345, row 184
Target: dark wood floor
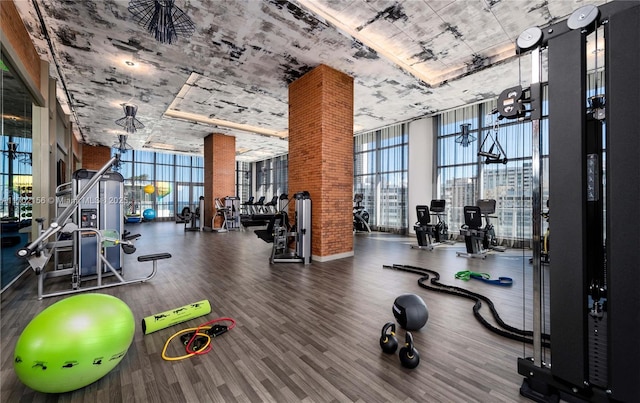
column 304, row 333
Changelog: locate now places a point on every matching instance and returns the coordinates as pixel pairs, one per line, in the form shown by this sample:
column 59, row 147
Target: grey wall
column 421, row 170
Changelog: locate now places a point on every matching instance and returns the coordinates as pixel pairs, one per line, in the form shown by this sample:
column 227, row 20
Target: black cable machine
column 92, row 220
column 594, row 283
column 291, row 244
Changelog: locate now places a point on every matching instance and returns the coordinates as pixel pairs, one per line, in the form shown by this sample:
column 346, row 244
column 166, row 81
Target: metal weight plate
column 582, row 17
column 529, row 38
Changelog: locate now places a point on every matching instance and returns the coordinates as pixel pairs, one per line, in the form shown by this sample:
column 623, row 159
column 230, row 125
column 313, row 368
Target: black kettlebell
column 388, row 340
column 409, row 357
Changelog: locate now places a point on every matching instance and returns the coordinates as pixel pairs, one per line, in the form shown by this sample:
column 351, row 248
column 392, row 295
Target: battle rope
column 466, row 275
column 525, row 336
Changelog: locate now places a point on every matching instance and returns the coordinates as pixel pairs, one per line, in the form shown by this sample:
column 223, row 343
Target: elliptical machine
column 360, row 215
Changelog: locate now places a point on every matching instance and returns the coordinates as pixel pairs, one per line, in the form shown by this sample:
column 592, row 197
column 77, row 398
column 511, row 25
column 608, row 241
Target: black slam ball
column 410, row 311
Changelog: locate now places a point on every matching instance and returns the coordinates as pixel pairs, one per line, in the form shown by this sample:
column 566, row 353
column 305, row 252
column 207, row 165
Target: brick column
column 219, row 171
column 16, row 40
column 94, row 157
column 321, row 157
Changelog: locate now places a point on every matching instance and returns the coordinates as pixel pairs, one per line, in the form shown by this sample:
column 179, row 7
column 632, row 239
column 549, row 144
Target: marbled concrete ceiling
column 408, row 58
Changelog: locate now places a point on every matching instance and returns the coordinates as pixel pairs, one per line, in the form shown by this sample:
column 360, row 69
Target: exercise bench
column 153, row 258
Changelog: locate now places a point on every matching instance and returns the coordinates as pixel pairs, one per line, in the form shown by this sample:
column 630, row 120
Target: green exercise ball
column 73, row 343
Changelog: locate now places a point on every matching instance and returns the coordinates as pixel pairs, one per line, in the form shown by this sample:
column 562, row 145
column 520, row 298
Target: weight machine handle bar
column 58, row 222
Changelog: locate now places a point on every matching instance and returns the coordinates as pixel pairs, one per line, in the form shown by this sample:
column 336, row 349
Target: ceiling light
column 129, row 63
column 129, row 121
column 161, row 146
column 166, row 147
column 15, row 118
column 162, row 18
column 465, row 138
column 121, row 145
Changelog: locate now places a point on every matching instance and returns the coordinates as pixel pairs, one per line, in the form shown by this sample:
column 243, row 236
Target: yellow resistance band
column 182, row 357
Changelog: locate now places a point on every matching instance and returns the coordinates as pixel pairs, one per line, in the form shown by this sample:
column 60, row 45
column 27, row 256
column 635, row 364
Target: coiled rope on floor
column 505, row 330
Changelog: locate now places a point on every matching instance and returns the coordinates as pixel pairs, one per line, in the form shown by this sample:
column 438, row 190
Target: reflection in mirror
column 16, row 184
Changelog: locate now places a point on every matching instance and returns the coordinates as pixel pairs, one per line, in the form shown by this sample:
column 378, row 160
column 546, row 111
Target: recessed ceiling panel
column 408, row 59
column 251, row 106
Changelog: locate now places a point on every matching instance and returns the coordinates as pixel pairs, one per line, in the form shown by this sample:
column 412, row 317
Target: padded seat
column 184, row 216
column 267, row 234
column 472, row 218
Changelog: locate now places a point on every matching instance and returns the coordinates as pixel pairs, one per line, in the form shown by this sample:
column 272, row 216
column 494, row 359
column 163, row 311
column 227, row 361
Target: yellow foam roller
column 172, row 317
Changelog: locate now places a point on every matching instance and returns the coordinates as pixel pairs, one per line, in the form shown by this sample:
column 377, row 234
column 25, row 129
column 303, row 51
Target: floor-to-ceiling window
column 136, row 187
column 364, row 170
column 457, row 170
column 490, row 158
column 164, row 183
column 243, row 180
column 183, row 195
column 272, row 177
column 16, row 180
column 380, row 174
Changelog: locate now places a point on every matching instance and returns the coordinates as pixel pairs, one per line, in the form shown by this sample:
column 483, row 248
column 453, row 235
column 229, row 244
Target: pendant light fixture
column 162, row 18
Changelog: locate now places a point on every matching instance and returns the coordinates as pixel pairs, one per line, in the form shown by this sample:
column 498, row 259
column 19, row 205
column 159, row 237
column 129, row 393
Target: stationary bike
column 440, row 229
column 430, row 235
column 360, row 215
column 490, row 241
column 479, row 238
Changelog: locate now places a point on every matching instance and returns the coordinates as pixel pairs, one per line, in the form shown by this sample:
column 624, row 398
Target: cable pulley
column 583, row 17
column 529, row 39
